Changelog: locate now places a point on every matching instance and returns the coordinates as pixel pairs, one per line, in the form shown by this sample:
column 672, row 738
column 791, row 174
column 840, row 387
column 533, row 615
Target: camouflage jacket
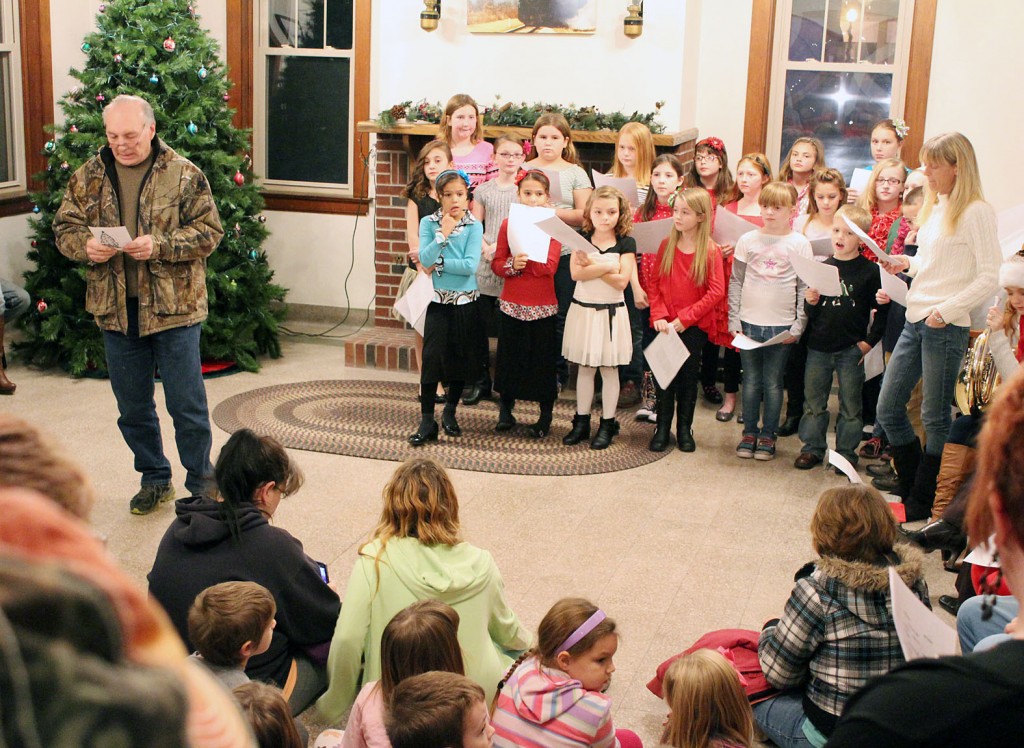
column 176, row 207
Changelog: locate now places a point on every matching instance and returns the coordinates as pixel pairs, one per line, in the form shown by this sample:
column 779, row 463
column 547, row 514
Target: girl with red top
column 711, row 170
column 686, row 296
column 527, row 341
column 882, row 198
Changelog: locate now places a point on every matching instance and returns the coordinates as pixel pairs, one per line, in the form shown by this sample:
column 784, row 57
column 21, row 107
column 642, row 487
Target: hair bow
column 901, row 127
column 520, row 176
column 527, row 147
column 713, row 143
column 460, row 172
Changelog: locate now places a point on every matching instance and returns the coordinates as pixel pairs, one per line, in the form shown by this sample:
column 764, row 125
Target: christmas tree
column 155, row 49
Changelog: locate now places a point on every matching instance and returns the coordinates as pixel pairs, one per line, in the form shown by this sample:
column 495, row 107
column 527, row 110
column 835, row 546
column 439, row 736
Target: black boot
column 427, row 430
column 543, row 426
column 905, row 459
column 685, row 405
column 580, row 430
column 663, row 425
column 605, row 433
column 922, row 493
column 448, row 422
column 505, row 418
column 479, row 391
column 939, row 535
column 790, row 426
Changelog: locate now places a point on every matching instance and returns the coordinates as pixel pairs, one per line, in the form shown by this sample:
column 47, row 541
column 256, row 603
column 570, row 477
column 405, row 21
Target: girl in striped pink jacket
column 554, row 696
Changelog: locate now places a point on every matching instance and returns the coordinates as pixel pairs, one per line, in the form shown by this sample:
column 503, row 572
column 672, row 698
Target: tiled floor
column 687, row 544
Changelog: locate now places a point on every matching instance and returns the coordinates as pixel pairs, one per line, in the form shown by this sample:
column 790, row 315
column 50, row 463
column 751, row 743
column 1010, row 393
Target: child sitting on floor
column 439, row 710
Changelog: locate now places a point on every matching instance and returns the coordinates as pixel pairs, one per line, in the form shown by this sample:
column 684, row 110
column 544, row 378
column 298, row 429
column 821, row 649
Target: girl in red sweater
column 688, row 289
column 527, row 342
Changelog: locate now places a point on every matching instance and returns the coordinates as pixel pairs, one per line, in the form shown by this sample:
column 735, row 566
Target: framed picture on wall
column 531, row 16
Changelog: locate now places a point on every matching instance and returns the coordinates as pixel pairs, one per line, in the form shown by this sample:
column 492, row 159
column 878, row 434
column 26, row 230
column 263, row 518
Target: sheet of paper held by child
column 836, row 460
column 860, row 178
column 565, row 235
column 894, row 287
column 111, row 236
column 822, row 247
column 649, row 235
column 413, row 306
column 921, row 632
column 625, row 185
column 819, row 276
column 729, row 227
column 874, row 362
column 524, row 237
column 744, row 343
column 666, row 356
column 879, row 252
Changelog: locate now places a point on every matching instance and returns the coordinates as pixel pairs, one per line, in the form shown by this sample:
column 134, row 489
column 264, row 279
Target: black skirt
column 452, row 338
column 527, row 358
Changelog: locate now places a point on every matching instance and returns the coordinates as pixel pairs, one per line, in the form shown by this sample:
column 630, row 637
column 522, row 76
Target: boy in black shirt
column 838, row 337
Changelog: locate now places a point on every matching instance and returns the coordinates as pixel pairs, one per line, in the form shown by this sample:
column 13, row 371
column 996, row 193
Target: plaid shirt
column 837, row 630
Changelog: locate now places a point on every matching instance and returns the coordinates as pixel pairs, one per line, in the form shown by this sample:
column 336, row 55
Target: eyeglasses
column 705, row 157
column 891, row 182
column 510, row 155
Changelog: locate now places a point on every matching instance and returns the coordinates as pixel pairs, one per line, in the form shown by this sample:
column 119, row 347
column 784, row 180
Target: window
column 12, row 151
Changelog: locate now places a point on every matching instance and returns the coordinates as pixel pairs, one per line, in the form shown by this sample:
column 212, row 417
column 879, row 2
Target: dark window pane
column 281, row 24
column 805, row 30
column 311, row 24
column 339, row 24
column 308, row 119
column 6, row 126
column 837, row 108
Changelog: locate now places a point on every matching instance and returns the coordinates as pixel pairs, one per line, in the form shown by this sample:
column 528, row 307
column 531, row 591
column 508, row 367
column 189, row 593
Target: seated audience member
column 417, row 553
column 438, row 710
column 982, row 624
column 227, row 624
column 977, row 699
column 230, row 538
column 837, row 630
column 269, row 716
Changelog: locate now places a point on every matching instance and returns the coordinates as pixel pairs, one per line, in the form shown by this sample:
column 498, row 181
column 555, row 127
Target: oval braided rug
column 364, row 418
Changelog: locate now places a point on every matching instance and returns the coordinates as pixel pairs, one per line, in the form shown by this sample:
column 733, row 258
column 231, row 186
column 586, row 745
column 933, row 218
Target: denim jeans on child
column 933, row 355
column 763, row 370
column 782, row 720
column 131, row 362
column 15, row 300
column 817, row 387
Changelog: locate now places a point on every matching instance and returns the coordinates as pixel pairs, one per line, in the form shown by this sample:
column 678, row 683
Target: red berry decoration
column 239, row 178
column 41, row 305
column 169, row 44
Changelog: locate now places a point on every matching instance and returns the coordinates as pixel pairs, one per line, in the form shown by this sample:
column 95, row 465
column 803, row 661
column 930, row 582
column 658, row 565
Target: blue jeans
column 817, row 386
column 131, row 361
column 782, row 718
column 16, row 300
column 972, row 630
column 932, row 355
column 763, row 370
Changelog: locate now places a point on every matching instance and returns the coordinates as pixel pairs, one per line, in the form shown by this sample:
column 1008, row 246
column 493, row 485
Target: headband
column 1011, row 273
column 713, row 143
column 460, row 172
column 585, row 628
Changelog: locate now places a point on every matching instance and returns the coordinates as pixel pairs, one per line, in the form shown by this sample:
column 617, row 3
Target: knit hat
column 1011, row 272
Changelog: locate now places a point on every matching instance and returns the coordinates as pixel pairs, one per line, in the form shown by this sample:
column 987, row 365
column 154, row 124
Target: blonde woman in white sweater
column 955, row 270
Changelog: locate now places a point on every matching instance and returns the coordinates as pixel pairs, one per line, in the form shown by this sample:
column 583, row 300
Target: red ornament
column 169, row 44
column 73, row 129
column 100, row 97
column 41, row 306
column 239, row 178
column 34, row 243
column 227, row 97
column 118, row 57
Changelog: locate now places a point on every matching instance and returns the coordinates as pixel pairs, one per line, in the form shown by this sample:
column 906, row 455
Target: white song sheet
column 729, row 227
column 879, row 252
column 819, row 276
column 666, row 356
column 564, row 234
column 111, row 236
column 894, row 286
column 921, row 632
column 625, row 185
column 524, row 237
column 649, row 235
column 835, row 459
column 744, row 343
column 413, row 306
column 874, row 362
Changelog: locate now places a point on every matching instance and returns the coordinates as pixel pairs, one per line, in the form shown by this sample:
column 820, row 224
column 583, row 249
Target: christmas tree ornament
column 202, row 72
column 154, row 79
column 50, row 146
column 103, row 9
column 239, row 178
column 101, row 97
column 192, row 128
column 238, row 230
column 34, row 243
column 118, row 57
column 253, row 254
column 72, row 129
column 261, row 218
column 41, row 305
column 227, row 97
column 35, row 208
column 65, row 165
column 233, row 285
column 169, row 44
column 86, row 47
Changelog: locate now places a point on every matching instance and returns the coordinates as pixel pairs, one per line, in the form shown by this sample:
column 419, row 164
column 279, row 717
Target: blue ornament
column 154, row 79
column 50, row 146
column 253, row 254
column 202, row 73
column 35, row 208
column 192, row 128
column 86, row 47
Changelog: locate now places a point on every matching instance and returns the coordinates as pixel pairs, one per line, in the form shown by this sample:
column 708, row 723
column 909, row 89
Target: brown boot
column 7, row 387
column 957, row 464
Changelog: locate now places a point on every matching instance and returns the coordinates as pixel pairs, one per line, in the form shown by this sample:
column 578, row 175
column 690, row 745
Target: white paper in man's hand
column 743, row 343
column 625, row 185
column 819, row 276
column 524, row 238
column 555, row 180
column 649, row 235
column 666, row 356
column 921, row 632
column 564, row 234
column 111, row 236
column 874, row 362
column 879, row 252
column 413, row 306
column 895, row 287
column 835, row 459
column 729, row 227
column 822, row 247
column 860, row 178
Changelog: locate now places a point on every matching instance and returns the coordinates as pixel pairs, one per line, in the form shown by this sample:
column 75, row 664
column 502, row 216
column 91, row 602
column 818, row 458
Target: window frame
column 242, row 49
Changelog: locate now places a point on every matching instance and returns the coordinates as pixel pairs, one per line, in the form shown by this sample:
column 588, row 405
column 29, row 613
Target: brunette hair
column 786, row 171
column 952, row 149
column 706, row 703
column 724, row 182
column 644, row 144
column 454, row 103
column 226, row 616
column 559, row 623
column 29, row 460
column 778, row 195
column 890, row 125
column 560, row 123
column 267, row 712
column 452, row 175
column 607, row 192
column 853, row 523
column 699, row 201
column 535, row 175
column 651, row 201
column 868, row 198
column 825, row 176
column 419, row 502
column 419, row 186
column 420, row 638
column 246, row 462
column 429, row 710
column 858, row 215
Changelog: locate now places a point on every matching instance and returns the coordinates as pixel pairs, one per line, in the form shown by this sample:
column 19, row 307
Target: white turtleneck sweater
column 954, row 272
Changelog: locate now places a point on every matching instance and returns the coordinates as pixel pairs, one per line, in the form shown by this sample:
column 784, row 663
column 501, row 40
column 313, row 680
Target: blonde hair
column 699, row 201
column 706, row 703
column 825, row 176
column 868, row 198
column 952, row 149
column 560, row 123
column 419, row 502
column 643, row 141
column 853, row 523
column 786, row 171
column 858, row 215
column 607, row 192
column 455, row 103
column 559, row 623
column 778, row 195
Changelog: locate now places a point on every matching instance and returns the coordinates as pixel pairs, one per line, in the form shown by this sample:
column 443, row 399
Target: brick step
column 388, row 348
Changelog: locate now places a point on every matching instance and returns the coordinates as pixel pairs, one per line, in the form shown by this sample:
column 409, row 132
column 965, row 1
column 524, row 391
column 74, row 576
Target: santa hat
column 1011, row 272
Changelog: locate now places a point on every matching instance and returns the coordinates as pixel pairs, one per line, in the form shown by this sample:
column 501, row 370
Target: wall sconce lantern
column 431, row 15
column 633, row 26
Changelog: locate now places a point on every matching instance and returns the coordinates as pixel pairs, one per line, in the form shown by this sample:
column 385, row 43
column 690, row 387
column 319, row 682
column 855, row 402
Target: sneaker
column 765, row 449
column 150, row 497
column 745, row 449
column 644, row 412
column 872, row 448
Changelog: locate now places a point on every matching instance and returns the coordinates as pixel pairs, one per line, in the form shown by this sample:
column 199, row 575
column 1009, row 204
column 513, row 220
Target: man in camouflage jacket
column 149, row 296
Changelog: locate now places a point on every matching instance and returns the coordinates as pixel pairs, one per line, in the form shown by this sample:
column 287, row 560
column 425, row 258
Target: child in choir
column 463, row 129
column 554, row 695
column 666, row 178
column 886, row 142
column 882, row 198
column 439, row 710
column 597, row 334
column 766, row 300
column 711, row 170
column 707, row 705
column 806, row 156
column 828, row 193
column 450, row 241
column 840, row 332
column 267, row 713
column 528, row 308
column 687, row 292
column 491, row 201
column 419, row 639
column 634, row 156
column 753, row 172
